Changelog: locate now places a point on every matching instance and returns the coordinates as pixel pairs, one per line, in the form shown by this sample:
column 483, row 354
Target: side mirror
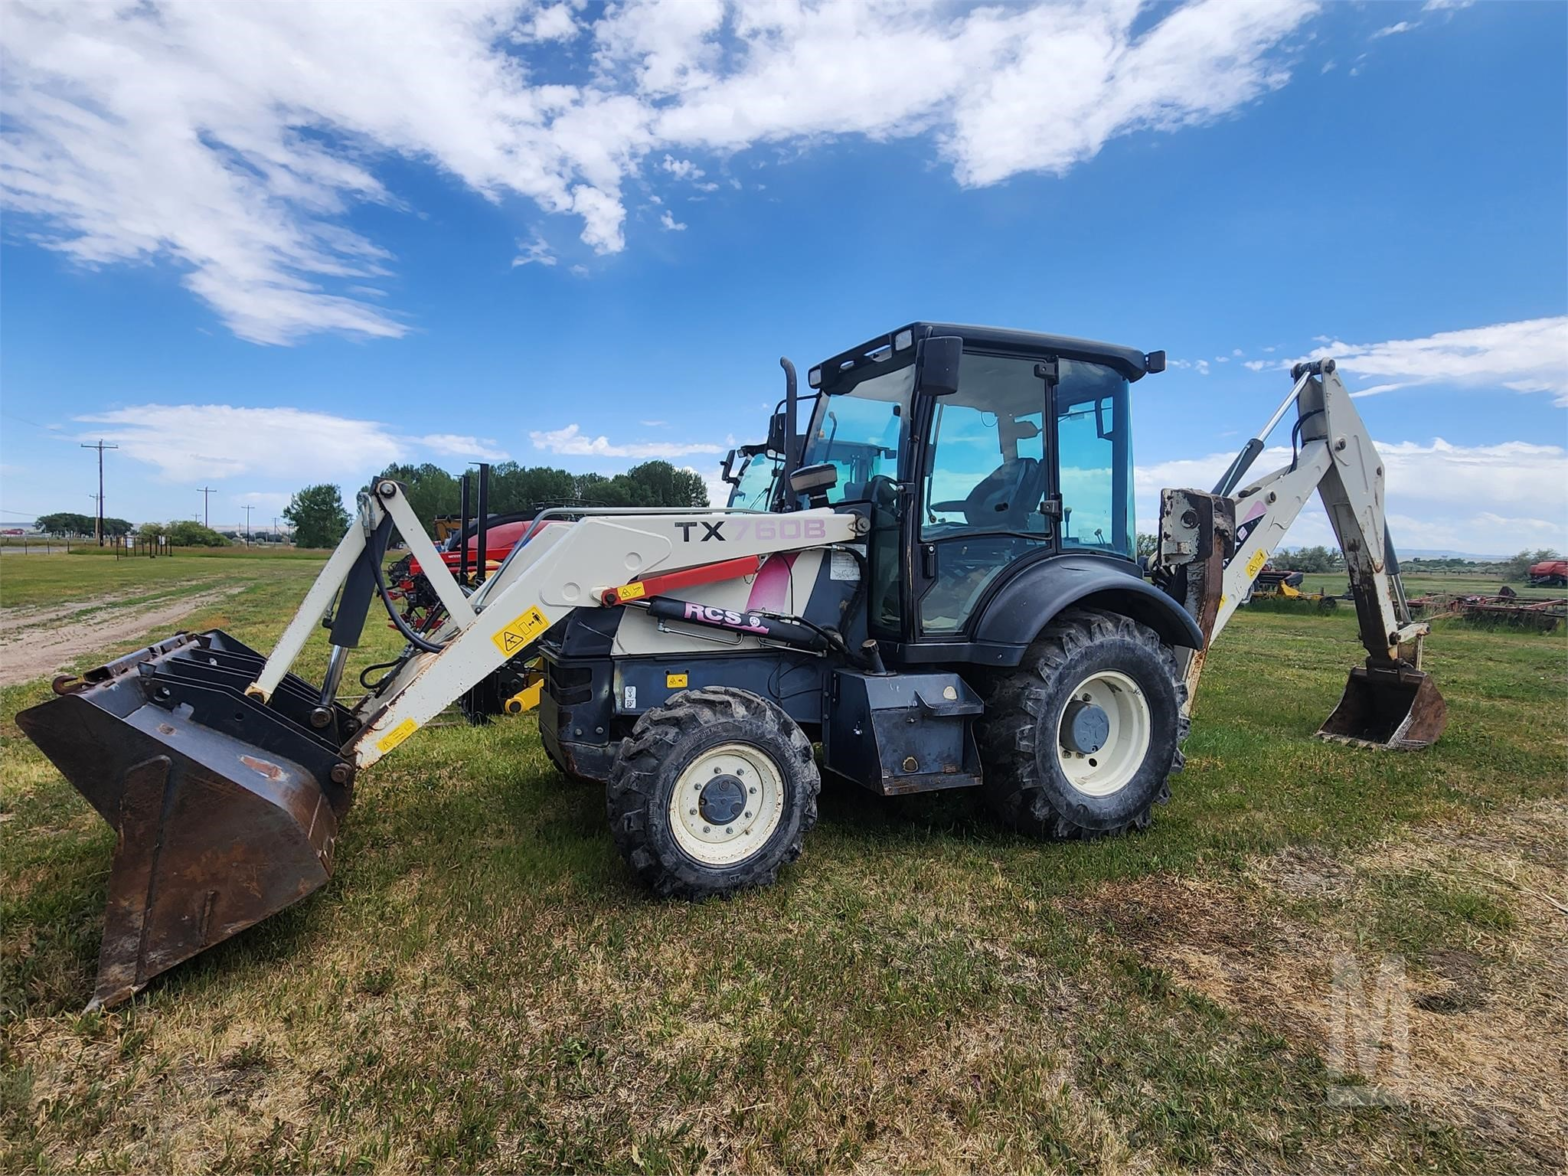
column 939, row 359
column 815, row 481
column 724, row 470
column 1154, row 362
column 779, row 426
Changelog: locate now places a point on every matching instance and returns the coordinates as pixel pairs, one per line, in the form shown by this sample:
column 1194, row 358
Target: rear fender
column 1037, row 592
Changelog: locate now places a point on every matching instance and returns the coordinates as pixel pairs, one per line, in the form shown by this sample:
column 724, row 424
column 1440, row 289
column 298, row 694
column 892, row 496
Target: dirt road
column 35, row 642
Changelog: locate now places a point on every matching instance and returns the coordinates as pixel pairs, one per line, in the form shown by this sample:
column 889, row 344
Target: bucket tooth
column 1387, row 706
column 214, row 832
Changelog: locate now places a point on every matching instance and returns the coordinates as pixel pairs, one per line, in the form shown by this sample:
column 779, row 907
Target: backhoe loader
column 945, row 594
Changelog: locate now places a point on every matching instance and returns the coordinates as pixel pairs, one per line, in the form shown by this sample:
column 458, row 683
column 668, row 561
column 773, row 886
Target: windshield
column 861, row 431
column 754, row 488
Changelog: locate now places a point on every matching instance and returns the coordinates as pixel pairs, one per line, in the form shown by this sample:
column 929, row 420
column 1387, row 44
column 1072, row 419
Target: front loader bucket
column 225, row 810
column 1394, row 707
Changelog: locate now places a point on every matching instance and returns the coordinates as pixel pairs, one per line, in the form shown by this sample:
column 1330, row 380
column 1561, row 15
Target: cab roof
column 1127, row 361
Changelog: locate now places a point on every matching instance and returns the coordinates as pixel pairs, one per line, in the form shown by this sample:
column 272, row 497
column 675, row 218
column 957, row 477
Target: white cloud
column 234, row 140
column 572, row 442
column 268, row 502
column 194, row 442
column 670, row 223
column 1489, row 499
column 1392, row 30
column 1529, row 356
column 535, row 252
column 199, row 442
column 1203, row 367
column 1256, row 365
column 459, row 445
column 554, row 23
column 682, row 169
column 653, row 424
column 1237, row 352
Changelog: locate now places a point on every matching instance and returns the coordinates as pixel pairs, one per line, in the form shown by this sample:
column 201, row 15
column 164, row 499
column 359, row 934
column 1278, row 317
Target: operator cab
column 978, row 451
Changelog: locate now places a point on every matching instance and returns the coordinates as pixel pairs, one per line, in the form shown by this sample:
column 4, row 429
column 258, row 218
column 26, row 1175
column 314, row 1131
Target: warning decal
column 633, row 591
column 517, row 636
column 395, row 736
column 1255, row 564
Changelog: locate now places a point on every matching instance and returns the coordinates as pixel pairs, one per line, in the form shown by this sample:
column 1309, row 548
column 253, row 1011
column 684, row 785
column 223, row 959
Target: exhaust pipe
column 225, row 810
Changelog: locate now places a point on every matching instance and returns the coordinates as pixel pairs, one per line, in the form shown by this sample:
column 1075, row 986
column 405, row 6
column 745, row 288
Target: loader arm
column 225, row 775
column 1213, row 545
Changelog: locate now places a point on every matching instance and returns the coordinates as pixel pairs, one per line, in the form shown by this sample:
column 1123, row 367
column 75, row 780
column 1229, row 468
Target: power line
column 206, row 496
column 100, row 446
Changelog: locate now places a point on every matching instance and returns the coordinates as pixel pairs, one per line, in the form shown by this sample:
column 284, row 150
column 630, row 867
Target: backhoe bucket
column 225, row 810
column 1394, row 707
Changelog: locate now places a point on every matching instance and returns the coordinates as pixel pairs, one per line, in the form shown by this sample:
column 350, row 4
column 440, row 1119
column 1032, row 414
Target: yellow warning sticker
column 395, row 736
column 520, row 633
column 632, row 591
column 675, row 681
column 1255, row 564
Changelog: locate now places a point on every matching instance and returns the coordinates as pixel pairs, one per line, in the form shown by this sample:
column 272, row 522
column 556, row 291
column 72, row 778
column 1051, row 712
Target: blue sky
column 263, row 247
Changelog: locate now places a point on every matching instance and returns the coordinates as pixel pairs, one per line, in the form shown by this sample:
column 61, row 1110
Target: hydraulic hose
column 376, row 552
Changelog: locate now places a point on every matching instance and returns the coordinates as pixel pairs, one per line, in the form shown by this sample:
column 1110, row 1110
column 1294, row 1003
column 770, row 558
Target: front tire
column 712, row 793
column 1081, row 739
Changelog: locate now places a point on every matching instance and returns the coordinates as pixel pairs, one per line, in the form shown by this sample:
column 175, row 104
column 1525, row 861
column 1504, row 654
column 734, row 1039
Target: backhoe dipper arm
column 1212, row 546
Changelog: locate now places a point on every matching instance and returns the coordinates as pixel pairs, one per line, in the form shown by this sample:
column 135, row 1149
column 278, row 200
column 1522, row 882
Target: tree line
column 319, row 516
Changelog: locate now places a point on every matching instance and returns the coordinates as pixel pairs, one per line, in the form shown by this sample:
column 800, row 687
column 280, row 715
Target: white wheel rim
column 1109, row 768
column 714, row 843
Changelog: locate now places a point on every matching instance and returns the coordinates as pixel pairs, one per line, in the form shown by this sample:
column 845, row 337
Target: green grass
column 33, row 581
column 482, row 987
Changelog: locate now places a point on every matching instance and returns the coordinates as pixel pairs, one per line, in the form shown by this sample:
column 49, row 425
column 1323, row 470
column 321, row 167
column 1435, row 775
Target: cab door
column 986, row 496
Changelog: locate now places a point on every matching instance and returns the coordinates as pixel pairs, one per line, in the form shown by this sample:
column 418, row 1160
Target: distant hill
column 1435, row 553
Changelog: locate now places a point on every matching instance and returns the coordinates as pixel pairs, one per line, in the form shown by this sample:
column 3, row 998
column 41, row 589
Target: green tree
column 1515, row 569
column 431, row 490
column 65, row 522
column 116, row 527
column 317, row 515
column 192, row 534
column 658, row 483
column 1310, row 559
column 1148, row 545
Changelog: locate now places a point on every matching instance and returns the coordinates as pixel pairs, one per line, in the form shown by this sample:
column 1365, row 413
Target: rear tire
column 712, row 793
column 1080, row 740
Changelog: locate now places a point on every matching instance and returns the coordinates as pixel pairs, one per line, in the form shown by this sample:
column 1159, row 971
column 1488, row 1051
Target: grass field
column 481, row 987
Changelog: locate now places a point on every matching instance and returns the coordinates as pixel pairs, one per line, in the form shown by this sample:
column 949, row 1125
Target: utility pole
column 206, row 495
column 248, row 509
column 100, row 447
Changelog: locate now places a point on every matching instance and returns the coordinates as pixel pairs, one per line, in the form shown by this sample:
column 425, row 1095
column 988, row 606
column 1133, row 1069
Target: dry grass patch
column 1467, row 910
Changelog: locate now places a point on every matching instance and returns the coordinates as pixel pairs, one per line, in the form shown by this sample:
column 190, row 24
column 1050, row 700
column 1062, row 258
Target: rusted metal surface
column 224, row 809
column 1197, row 540
column 1387, row 705
column 1504, row 607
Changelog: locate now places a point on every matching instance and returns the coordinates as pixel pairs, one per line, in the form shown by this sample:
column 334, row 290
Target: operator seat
column 1007, row 497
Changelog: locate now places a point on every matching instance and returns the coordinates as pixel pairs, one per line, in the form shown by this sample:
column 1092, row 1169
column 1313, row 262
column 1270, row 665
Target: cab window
column 985, row 482
column 1094, row 456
